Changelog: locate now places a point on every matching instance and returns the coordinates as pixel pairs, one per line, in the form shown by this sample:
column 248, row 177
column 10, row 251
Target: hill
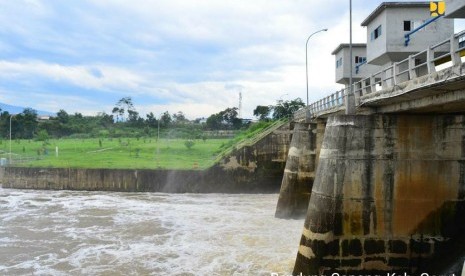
column 12, row 109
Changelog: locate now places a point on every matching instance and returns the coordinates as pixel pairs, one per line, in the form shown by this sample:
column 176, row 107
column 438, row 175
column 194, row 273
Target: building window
column 376, row 33
column 338, row 62
column 360, row 59
column 407, row 25
column 411, row 25
column 461, row 42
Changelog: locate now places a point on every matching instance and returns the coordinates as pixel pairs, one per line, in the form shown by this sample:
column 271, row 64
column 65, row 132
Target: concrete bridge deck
column 429, row 81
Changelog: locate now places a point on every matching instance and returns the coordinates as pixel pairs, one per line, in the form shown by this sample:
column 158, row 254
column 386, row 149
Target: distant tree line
column 125, row 121
column 282, row 109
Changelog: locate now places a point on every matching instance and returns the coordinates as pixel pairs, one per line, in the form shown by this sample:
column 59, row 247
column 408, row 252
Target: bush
column 42, row 135
column 189, row 143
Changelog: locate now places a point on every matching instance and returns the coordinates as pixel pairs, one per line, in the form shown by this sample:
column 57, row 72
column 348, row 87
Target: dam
column 377, row 170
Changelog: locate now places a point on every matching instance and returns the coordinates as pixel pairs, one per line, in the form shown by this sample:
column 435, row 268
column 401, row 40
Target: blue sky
column 193, row 56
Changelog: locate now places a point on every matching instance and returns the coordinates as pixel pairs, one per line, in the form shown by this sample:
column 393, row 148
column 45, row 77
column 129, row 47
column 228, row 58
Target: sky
column 193, row 56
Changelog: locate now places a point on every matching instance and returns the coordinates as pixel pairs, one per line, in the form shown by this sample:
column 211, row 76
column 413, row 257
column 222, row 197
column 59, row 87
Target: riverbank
column 111, row 153
column 254, row 168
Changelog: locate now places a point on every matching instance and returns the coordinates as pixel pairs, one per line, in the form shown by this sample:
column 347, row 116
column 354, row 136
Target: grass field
column 115, row 153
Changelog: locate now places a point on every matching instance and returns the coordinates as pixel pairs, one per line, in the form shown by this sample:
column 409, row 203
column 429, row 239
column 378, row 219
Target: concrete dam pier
column 298, row 174
column 388, row 193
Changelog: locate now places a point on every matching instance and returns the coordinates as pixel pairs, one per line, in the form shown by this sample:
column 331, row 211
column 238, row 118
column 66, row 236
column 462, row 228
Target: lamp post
column 158, row 130
column 306, row 58
column 11, row 116
column 158, row 139
column 349, row 100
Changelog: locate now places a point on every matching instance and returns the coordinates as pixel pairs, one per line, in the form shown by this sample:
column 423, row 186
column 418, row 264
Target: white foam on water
column 63, row 233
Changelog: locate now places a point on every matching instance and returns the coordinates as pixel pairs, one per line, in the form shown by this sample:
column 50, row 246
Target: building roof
column 386, row 5
column 346, row 45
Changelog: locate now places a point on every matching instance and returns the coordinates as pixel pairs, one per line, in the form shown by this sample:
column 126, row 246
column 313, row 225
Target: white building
column 388, row 24
column 455, row 9
column 360, row 69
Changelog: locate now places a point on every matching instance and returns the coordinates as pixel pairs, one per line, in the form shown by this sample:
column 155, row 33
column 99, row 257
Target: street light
column 11, row 116
column 350, row 94
column 158, row 139
column 306, row 59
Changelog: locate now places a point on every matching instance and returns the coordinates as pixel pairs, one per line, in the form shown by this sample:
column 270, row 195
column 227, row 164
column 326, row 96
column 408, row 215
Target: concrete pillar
column 350, row 103
column 454, row 54
column 430, row 61
column 411, row 68
column 298, row 175
column 395, row 71
column 373, row 84
column 389, row 192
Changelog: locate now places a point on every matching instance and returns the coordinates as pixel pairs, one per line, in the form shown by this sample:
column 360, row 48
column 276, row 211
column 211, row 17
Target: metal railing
column 251, row 140
column 14, row 159
column 420, row 64
column 330, row 102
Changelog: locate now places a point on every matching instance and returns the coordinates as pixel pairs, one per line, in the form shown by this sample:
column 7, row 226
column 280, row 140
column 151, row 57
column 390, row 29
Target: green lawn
column 127, row 153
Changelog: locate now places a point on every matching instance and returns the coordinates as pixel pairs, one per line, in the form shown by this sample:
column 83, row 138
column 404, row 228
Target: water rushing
column 75, row 233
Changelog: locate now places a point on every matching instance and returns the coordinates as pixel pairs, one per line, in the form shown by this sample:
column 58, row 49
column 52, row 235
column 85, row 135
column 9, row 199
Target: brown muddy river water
column 100, row 233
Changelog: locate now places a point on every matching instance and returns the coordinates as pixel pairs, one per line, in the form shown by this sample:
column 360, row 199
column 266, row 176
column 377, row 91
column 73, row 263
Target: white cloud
column 91, row 76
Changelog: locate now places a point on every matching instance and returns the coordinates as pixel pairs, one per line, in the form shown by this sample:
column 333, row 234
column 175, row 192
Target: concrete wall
column 433, row 33
column 389, row 47
column 388, row 195
column 265, row 157
column 214, row 180
column 376, row 48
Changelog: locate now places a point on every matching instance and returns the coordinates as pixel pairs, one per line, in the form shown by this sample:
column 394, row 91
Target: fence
column 7, row 160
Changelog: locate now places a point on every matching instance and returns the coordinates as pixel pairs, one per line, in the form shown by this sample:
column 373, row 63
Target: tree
column 25, row 124
column 105, row 120
column 4, row 124
column 118, row 112
column 133, row 117
column 124, row 105
column 179, row 118
column 215, row 121
column 230, row 118
column 62, row 116
column 165, row 119
column 262, row 112
column 151, row 121
column 225, row 119
column 285, row 109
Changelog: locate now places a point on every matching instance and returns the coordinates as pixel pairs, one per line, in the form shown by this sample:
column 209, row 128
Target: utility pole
column 350, row 99
column 306, row 56
column 240, row 105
